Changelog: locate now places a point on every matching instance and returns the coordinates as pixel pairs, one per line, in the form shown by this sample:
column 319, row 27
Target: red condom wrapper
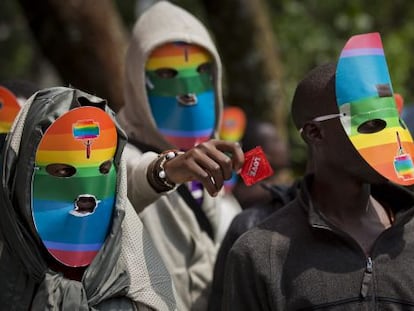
column 256, row 166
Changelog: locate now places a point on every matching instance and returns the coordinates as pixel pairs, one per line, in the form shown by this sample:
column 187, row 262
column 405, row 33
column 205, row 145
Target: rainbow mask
column 9, row 108
column 233, row 124
column 232, row 127
column 181, row 93
column 74, row 185
column 368, row 109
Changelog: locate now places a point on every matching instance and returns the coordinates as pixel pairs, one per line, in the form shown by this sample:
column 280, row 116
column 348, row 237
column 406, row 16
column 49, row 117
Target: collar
column 399, row 199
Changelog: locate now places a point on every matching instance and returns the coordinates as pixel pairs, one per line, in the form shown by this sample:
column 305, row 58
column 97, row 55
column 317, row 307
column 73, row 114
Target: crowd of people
column 134, row 210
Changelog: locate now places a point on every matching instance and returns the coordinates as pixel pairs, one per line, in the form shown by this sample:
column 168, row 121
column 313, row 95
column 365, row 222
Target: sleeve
column 151, row 286
column 244, row 281
column 140, row 192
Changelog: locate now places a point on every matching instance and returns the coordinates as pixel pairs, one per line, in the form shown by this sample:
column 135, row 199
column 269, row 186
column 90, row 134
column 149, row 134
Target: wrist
column 156, row 174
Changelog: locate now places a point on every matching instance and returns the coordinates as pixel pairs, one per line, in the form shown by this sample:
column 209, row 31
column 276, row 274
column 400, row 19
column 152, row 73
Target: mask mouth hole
column 187, row 99
column 85, row 205
column 372, row 126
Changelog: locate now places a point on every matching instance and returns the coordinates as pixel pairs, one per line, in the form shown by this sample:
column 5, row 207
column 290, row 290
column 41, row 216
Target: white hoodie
column 188, row 252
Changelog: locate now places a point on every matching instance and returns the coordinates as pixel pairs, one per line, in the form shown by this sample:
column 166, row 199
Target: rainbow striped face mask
column 180, row 91
column 368, row 111
column 9, row 108
column 74, row 185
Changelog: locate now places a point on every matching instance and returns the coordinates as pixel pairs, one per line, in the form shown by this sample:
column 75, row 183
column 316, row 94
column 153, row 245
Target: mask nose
column 85, row 204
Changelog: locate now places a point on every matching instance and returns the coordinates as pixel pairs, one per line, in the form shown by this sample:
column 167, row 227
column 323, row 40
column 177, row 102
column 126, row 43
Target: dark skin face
column 341, row 187
column 335, row 156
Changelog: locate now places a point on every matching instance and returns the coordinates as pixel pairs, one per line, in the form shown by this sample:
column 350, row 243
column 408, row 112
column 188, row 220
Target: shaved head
column 315, row 95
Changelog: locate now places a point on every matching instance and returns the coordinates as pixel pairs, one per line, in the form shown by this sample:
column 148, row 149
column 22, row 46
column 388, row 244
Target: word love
column 256, row 167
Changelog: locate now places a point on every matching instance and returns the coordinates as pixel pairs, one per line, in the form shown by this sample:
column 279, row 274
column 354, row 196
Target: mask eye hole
column 105, row 167
column 61, row 170
column 372, row 126
column 205, row 68
column 166, row 73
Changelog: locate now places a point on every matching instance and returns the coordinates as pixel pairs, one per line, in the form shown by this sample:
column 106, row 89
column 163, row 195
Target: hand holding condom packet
column 256, row 167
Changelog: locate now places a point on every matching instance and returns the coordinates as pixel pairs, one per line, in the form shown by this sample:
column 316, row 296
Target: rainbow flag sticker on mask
column 403, row 162
column 86, row 131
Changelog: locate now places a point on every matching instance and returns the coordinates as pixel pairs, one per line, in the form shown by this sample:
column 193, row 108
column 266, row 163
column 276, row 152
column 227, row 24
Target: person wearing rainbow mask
column 173, row 106
column 346, row 242
column 13, row 95
column 70, row 238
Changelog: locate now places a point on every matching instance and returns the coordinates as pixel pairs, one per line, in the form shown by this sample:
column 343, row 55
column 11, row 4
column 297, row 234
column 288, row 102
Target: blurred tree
column 17, row 55
column 313, row 32
column 85, row 41
column 248, row 46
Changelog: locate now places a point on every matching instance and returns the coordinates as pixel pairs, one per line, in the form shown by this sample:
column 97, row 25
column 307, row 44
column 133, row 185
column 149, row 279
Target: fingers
column 222, row 151
column 206, row 171
column 218, row 158
column 211, row 163
column 214, row 160
column 232, row 149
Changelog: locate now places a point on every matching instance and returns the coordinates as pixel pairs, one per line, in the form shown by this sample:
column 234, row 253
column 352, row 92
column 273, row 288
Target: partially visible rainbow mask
column 232, row 127
column 233, row 124
column 74, row 185
column 181, row 93
column 9, row 108
column 368, row 110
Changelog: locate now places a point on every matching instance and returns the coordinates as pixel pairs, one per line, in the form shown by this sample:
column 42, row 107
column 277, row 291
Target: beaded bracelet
column 157, row 176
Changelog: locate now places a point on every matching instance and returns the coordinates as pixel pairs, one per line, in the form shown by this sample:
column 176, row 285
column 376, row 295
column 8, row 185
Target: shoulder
column 249, row 218
column 251, row 254
column 269, row 243
column 270, row 224
column 131, row 151
column 253, row 243
column 290, row 219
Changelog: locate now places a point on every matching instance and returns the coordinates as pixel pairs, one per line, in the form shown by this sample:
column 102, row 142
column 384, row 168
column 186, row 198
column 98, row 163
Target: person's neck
column 349, row 206
column 343, row 199
column 72, row 273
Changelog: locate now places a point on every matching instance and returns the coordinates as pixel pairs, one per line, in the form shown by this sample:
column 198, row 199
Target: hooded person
column 70, row 238
column 173, row 102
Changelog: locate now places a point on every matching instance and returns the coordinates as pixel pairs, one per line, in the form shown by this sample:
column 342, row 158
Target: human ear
column 312, row 132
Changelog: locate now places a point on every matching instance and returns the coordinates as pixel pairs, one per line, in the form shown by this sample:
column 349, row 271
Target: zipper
column 369, row 265
column 367, row 279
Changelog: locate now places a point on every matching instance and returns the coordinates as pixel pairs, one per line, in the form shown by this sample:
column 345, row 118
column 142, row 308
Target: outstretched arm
column 211, row 163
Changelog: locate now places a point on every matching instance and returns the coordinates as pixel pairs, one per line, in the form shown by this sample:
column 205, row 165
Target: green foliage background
column 307, row 33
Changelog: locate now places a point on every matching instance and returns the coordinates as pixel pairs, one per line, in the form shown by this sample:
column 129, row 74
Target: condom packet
column 256, row 167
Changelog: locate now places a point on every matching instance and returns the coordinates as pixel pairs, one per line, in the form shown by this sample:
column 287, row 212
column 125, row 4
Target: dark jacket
column 247, row 219
column 296, row 260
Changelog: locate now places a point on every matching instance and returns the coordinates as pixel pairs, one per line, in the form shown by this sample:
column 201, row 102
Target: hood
column 160, row 24
column 42, row 110
column 16, row 224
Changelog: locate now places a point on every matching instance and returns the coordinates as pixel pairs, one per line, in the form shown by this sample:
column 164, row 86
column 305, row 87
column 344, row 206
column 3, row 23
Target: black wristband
column 157, row 176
